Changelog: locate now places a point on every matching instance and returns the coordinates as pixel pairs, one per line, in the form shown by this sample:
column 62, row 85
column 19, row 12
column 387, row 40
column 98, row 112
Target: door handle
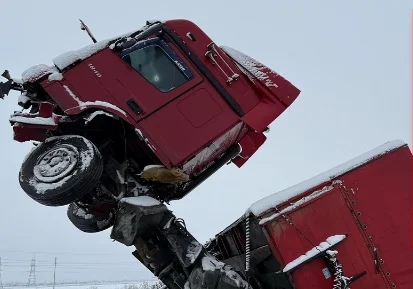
column 134, row 107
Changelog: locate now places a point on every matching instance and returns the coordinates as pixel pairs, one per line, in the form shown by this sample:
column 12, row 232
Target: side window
column 156, row 67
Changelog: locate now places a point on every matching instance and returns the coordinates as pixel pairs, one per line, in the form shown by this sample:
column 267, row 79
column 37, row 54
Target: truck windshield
column 156, row 67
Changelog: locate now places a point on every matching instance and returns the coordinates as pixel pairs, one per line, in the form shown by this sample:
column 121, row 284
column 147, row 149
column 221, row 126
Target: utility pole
column 32, row 275
column 54, row 273
column 1, row 278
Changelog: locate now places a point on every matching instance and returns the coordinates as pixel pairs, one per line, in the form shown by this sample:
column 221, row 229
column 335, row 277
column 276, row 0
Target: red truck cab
column 180, row 90
column 159, row 110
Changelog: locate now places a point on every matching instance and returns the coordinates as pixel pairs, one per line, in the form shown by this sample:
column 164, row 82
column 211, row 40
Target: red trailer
column 348, row 227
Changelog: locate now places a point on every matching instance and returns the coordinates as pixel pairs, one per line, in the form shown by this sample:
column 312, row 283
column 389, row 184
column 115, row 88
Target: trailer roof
column 267, row 203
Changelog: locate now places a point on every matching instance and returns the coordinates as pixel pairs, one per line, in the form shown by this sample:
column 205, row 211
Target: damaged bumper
column 34, row 126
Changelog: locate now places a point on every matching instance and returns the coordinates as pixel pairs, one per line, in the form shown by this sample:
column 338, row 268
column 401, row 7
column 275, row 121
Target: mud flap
column 249, row 144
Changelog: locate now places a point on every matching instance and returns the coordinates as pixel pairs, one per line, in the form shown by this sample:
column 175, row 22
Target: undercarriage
column 168, row 250
column 91, row 169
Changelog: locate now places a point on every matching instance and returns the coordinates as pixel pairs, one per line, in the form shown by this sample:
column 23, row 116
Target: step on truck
column 350, row 227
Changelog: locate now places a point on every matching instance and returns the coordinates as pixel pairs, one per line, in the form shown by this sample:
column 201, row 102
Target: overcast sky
column 351, row 60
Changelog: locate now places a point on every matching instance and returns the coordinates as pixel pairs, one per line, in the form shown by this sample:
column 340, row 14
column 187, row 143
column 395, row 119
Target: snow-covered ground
column 121, row 285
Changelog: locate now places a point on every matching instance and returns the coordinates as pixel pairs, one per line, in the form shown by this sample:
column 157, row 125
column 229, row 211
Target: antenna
column 85, row 28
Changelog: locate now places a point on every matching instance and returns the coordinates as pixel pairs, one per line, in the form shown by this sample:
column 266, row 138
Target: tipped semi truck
column 126, row 125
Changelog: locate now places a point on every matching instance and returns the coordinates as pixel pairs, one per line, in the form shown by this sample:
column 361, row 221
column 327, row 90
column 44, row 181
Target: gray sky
column 351, row 60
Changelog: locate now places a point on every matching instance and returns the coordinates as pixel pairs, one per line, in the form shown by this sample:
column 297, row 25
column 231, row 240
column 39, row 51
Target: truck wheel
column 61, row 170
column 87, row 223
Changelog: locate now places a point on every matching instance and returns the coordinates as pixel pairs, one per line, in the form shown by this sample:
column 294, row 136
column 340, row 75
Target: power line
column 61, row 253
column 77, row 267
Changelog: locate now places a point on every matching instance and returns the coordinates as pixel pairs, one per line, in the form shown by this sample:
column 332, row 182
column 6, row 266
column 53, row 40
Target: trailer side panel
column 373, row 205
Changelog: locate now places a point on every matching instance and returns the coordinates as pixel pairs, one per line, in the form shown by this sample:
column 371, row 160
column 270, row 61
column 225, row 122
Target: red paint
column 241, row 90
column 46, row 109
column 26, row 132
column 412, row 115
column 181, row 132
column 179, row 125
column 249, row 144
column 382, row 193
column 23, row 132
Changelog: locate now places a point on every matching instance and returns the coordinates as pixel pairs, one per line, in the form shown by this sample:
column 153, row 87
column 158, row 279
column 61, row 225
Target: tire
column 87, row 223
column 61, row 170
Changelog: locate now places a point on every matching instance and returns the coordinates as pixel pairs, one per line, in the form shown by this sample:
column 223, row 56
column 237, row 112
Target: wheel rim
column 56, row 164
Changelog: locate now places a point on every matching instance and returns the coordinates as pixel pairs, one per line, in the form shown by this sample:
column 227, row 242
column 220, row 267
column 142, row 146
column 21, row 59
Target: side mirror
column 6, row 75
column 5, row 87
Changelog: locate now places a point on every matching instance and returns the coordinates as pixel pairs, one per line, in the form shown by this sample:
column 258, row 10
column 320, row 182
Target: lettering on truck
column 94, row 70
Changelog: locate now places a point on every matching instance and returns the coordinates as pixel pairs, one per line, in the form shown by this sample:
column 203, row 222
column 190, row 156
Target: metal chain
column 340, row 281
column 247, row 243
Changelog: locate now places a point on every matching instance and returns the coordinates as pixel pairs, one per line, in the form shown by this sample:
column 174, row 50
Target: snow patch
column 138, row 189
column 267, row 203
column 152, row 167
column 193, row 251
column 251, row 65
column 68, row 58
column 55, row 76
column 330, row 242
column 87, row 156
column 139, row 133
column 103, row 223
column 33, row 120
column 37, row 71
column 143, row 201
column 91, row 116
column 84, row 104
column 299, row 203
column 70, row 92
column 23, row 99
column 17, row 80
column 141, row 137
column 211, row 264
column 168, row 224
column 42, row 188
column 63, row 137
column 80, row 212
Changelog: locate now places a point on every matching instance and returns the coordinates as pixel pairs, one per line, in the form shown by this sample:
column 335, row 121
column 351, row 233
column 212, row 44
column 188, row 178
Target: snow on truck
column 348, row 227
column 153, row 112
column 127, row 124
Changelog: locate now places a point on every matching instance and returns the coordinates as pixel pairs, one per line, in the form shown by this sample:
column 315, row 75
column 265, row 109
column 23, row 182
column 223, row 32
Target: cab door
column 147, row 76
